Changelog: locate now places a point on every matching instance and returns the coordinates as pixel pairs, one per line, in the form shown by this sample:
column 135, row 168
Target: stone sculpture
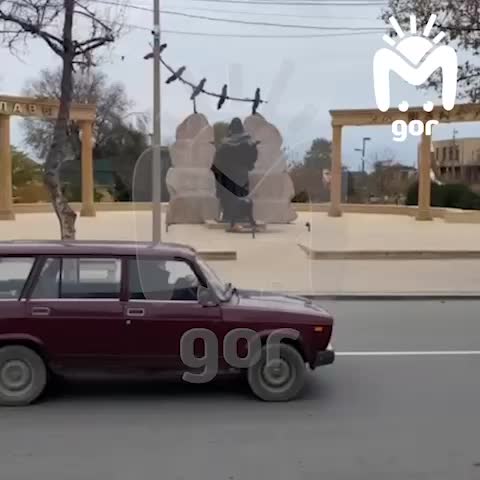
column 190, row 181
column 271, row 187
column 262, row 176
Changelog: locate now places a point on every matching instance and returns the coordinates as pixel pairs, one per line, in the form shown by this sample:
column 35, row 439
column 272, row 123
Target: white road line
column 409, row 353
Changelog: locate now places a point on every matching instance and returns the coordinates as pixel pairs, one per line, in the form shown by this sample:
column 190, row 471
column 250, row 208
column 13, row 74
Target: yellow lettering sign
column 47, row 111
column 17, row 108
column 32, row 108
column 3, row 107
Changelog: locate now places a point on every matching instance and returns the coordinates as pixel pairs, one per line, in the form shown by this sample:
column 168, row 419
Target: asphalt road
column 376, row 415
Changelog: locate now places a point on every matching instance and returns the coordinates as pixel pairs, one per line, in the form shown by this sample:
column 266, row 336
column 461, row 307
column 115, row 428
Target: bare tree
column 88, row 87
column 460, row 21
column 53, row 22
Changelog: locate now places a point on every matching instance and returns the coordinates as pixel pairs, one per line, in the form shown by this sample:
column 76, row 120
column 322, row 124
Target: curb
column 218, row 255
column 390, row 254
column 391, row 296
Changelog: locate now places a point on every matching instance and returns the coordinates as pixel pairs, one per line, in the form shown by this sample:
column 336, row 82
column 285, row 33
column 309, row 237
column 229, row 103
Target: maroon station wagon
column 132, row 308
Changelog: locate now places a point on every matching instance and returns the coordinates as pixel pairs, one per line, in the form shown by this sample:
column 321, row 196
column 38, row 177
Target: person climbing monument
column 235, row 158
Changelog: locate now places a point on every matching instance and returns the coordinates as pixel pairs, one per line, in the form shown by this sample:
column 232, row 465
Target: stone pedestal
column 214, row 225
column 271, row 187
column 190, row 181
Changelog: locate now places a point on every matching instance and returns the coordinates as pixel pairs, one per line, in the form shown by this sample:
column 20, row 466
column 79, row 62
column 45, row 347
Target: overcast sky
column 301, row 78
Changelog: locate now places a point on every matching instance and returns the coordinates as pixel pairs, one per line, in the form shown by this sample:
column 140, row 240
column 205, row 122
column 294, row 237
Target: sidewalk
column 275, row 261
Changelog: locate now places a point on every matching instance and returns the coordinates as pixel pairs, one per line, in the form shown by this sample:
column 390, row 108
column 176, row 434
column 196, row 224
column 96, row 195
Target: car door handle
column 40, row 311
column 135, row 312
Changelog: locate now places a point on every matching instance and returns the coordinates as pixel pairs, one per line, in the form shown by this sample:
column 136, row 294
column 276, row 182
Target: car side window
column 14, row 272
column 48, row 285
column 79, row 278
column 164, row 280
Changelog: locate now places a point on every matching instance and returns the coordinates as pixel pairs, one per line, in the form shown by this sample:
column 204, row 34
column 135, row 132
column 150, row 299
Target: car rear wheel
column 23, row 375
column 282, row 378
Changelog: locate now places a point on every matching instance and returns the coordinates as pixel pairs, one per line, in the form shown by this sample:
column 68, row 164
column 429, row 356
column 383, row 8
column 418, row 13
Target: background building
column 457, row 160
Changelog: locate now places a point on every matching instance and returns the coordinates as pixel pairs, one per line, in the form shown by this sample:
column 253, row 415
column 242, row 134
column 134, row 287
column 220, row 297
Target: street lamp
column 363, row 150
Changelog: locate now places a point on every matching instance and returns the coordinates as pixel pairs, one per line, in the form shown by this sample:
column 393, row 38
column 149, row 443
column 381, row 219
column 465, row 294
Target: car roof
column 94, row 247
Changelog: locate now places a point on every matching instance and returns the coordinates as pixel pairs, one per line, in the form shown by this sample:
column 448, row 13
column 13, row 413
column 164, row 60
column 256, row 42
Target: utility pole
column 157, row 133
column 363, row 152
column 365, row 140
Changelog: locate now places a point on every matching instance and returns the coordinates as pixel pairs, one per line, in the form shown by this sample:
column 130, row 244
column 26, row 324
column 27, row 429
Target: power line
column 233, row 35
column 269, row 24
column 253, row 36
column 294, row 3
column 272, row 14
column 243, row 22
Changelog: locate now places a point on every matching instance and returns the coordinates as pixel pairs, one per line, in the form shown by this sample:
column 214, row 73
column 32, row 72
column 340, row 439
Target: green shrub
column 121, row 192
column 453, row 195
column 73, row 193
column 411, row 197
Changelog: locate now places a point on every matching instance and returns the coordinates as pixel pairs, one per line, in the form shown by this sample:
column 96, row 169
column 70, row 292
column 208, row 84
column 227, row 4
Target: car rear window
column 14, row 272
column 80, row 278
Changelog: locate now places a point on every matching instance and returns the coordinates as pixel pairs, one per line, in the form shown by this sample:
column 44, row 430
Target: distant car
column 125, row 308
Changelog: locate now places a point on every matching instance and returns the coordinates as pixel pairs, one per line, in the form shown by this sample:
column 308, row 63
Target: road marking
column 410, row 353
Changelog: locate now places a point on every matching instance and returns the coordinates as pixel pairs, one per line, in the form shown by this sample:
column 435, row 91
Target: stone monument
column 190, row 181
column 192, row 184
column 271, row 187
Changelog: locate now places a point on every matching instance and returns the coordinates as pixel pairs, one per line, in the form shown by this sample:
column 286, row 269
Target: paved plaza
column 274, row 260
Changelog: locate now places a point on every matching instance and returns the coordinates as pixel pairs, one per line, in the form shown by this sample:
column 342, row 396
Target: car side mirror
column 205, row 297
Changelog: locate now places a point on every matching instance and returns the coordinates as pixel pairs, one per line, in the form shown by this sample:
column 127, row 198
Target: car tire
column 23, row 375
column 281, row 381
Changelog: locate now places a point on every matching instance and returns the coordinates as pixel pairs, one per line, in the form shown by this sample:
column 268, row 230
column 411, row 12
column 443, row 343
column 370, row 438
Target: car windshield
column 220, row 287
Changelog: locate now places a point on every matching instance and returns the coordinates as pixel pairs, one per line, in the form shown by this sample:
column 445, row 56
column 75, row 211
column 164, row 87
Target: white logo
column 414, row 58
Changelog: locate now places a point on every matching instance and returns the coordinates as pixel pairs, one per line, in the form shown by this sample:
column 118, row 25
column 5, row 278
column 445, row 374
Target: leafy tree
column 320, row 154
column 308, row 184
column 390, row 179
column 121, row 193
column 308, row 177
column 122, row 148
column 460, row 21
column 24, row 169
column 73, row 192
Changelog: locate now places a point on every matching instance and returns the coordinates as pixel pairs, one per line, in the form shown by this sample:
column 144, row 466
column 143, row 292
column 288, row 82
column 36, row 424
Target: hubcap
column 15, row 375
column 276, row 373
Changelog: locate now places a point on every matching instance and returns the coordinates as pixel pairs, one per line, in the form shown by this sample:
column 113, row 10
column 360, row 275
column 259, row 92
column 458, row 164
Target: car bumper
column 327, row 357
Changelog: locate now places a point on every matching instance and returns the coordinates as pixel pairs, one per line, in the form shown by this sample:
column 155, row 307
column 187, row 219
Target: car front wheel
column 281, row 378
column 23, row 375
